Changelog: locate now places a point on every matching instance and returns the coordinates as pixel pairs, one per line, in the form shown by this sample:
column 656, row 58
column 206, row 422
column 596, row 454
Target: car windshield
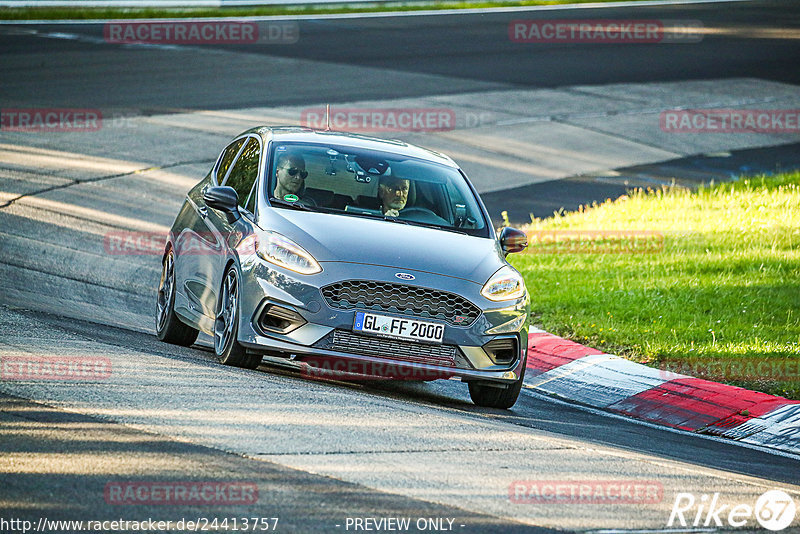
column 364, row 183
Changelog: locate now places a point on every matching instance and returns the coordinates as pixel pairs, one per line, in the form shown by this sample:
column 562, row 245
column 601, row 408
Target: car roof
column 309, row 135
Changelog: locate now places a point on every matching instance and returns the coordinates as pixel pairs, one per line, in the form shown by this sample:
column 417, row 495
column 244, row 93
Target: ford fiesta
column 322, row 246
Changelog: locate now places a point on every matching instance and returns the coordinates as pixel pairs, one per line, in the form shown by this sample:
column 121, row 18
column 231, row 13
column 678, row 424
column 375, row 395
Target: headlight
column 505, row 284
column 282, row 251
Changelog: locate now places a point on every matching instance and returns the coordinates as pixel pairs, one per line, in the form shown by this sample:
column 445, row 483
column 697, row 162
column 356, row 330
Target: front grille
column 344, row 341
column 401, row 299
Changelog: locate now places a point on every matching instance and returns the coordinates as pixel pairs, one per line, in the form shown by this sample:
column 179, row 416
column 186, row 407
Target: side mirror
column 513, row 240
column 224, row 199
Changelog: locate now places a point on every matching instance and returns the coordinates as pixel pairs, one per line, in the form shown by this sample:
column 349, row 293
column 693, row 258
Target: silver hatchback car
column 348, row 254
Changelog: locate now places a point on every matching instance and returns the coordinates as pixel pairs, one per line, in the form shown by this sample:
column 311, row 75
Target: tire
column 494, row 397
column 226, row 325
column 169, row 328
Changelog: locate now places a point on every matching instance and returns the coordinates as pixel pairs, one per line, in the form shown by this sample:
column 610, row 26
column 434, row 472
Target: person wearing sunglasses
column 393, row 194
column 290, row 176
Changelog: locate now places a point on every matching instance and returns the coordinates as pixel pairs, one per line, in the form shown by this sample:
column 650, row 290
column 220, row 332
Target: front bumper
column 325, row 333
column 357, row 364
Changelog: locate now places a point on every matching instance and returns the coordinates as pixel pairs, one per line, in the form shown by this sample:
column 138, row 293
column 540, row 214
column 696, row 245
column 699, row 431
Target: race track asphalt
column 319, row 452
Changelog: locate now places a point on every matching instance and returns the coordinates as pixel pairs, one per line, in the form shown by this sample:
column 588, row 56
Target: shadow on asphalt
column 531, row 411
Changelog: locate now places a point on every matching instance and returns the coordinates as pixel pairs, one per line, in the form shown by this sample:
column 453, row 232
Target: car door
column 198, row 244
column 242, row 178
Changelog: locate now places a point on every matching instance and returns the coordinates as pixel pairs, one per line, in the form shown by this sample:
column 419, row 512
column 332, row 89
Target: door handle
column 203, row 211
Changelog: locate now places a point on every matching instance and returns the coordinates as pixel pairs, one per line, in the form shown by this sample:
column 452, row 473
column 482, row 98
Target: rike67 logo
column 774, row 510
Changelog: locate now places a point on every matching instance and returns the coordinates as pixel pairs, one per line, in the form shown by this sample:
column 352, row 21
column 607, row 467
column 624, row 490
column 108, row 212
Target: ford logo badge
column 404, row 276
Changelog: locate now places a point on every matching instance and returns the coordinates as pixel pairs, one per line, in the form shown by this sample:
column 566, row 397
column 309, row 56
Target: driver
column 290, row 175
column 393, row 194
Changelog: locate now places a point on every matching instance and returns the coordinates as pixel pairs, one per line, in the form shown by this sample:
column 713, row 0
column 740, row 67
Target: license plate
column 398, row 327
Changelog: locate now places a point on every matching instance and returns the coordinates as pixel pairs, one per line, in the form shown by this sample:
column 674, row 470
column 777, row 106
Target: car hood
column 342, row 238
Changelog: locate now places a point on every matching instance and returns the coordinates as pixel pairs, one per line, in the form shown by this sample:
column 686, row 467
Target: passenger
column 393, row 194
column 290, row 176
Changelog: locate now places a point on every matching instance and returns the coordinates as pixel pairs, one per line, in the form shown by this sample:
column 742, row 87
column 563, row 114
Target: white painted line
column 334, row 16
column 100, row 40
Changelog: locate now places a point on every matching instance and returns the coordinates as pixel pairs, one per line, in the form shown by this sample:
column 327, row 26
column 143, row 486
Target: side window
column 227, row 158
column 245, row 170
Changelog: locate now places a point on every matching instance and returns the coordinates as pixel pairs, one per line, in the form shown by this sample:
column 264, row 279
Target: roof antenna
column 327, row 117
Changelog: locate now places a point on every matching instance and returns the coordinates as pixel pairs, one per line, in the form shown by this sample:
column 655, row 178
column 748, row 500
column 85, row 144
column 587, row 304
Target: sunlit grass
column 724, row 288
column 83, row 13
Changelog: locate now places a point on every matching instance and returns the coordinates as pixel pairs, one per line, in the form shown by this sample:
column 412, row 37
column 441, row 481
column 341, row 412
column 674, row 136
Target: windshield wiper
column 450, row 229
column 420, row 224
column 379, row 216
column 398, row 220
column 434, row 226
column 294, row 205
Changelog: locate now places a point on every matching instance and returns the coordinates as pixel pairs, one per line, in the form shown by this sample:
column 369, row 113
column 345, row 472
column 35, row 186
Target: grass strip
column 101, row 13
column 704, row 283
